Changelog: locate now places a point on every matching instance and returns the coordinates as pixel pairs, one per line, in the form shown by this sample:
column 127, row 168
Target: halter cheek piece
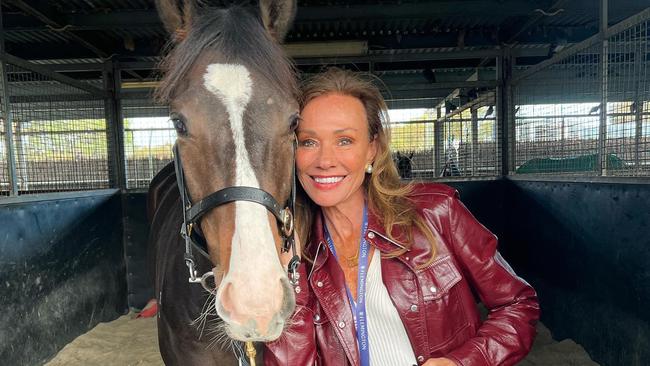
column 192, row 215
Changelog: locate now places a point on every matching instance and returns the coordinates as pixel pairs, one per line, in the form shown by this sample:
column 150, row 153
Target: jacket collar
column 319, row 251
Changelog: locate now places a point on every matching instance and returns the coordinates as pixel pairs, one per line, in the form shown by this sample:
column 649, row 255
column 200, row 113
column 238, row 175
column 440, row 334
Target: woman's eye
column 179, row 126
column 345, row 141
column 307, row 143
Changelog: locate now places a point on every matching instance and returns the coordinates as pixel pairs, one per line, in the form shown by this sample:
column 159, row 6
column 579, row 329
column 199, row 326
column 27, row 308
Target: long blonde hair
column 387, row 195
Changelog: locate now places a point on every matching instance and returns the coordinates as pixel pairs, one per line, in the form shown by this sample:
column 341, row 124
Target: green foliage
column 61, row 140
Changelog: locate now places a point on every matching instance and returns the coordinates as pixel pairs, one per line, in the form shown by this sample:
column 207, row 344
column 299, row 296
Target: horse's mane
column 238, row 35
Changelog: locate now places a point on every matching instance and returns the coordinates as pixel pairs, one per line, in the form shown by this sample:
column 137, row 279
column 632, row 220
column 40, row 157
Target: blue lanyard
column 359, row 307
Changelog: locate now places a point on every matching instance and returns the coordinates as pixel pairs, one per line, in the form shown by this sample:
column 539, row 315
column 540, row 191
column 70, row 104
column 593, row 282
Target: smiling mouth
column 328, row 180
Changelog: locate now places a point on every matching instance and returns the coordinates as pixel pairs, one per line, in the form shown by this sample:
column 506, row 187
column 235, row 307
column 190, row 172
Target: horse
column 232, row 97
column 404, row 165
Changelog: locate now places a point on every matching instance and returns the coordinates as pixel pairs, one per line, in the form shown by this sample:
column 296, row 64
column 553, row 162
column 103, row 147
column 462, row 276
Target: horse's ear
column 176, row 16
column 277, row 16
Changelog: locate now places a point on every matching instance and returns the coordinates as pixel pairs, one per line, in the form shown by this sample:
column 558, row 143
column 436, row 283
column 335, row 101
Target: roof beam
column 54, row 22
column 418, row 10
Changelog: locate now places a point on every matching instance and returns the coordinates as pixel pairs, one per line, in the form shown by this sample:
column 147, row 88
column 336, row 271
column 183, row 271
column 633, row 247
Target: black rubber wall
column 139, row 274
column 61, row 271
column 586, row 249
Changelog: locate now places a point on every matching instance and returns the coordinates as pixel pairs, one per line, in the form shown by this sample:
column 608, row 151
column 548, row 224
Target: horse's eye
column 295, row 120
column 179, row 125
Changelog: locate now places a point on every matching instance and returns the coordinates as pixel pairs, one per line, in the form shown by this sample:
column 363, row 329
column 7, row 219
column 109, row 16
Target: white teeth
column 328, row 180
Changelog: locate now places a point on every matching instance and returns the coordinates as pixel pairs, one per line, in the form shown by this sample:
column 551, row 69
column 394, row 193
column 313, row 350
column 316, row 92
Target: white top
column 389, row 343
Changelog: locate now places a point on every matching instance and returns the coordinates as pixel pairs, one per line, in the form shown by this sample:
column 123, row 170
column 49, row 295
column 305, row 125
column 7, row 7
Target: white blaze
column 252, row 243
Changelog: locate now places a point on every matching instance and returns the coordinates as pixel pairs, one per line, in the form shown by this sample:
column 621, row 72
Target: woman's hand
column 439, row 362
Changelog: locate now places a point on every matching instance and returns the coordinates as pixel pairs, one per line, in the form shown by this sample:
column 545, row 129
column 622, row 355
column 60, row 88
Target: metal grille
column 412, row 125
column 559, row 123
column 627, row 107
column 470, row 139
column 148, row 140
column 4, row 160
column 59, row 134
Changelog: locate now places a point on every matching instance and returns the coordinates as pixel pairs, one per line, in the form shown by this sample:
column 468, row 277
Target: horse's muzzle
column 249, row 315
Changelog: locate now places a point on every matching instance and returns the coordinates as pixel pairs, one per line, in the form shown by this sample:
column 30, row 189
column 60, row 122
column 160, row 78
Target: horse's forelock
column 236, row 35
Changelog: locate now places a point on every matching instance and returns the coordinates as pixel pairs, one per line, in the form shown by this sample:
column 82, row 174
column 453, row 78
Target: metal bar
column 53, row 75
column 572, row 50
column 437, row 142
column 446, row 85
column 604, row 67
column 396, row 87
column 66, row 132
column 473, row 150
column 400, row 57
column 115, row 126
column 355, row 10
column 79, row 67
column 374, row 57
column 627, row 23
column 639, row 55
column 504, row 75
column 52, row 98
column 578, row 179
column 484, row 99
column 8, row 120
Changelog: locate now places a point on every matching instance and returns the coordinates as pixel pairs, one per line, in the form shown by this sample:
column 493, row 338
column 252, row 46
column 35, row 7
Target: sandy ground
column 129, row 342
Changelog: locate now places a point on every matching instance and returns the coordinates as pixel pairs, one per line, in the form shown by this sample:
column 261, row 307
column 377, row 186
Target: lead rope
column 251, row 353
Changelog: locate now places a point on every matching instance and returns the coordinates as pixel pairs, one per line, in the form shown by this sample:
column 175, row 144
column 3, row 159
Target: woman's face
column 333, row 149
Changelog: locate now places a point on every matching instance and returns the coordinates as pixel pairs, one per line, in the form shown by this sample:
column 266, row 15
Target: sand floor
column 133, row 342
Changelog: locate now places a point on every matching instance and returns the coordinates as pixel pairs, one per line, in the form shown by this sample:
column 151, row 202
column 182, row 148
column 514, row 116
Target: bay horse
column 232, row 97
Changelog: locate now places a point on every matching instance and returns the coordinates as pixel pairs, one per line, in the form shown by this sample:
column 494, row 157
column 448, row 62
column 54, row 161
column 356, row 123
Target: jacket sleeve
column 509, row 330
column 297, row 344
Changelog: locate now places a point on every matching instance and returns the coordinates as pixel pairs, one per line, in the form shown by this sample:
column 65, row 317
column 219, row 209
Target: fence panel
column 470, row 138
column 558, row 105
column 628, row 113
column 59, row 134
column 148, row 140
column 412, row 128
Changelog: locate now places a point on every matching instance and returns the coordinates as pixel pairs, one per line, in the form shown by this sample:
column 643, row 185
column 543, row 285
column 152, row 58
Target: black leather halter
column 192, row 215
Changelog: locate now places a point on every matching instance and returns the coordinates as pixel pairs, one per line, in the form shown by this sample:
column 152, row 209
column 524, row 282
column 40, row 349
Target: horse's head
column 232, row 97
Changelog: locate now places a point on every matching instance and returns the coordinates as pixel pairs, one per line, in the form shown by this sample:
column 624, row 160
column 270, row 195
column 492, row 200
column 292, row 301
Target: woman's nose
column 326, row 158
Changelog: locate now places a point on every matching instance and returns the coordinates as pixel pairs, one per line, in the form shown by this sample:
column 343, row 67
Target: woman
column 389, row 269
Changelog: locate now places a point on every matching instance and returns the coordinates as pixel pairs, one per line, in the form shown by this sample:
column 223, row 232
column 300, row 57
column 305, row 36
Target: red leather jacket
column 436, row 303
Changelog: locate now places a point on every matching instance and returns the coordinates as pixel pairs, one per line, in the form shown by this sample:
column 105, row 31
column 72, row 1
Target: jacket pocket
column 447, row 323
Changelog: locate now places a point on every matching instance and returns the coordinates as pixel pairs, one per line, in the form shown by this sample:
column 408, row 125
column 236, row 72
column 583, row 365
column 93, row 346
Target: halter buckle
column 287, row 222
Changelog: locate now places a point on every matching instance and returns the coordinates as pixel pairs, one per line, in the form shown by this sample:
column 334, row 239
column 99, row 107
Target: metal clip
column 189, row 262
column 204, row 282
column 294, row 276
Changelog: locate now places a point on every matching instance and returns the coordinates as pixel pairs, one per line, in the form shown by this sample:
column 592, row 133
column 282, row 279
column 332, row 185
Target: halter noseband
column 192, row 215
